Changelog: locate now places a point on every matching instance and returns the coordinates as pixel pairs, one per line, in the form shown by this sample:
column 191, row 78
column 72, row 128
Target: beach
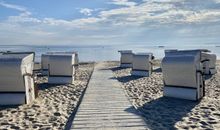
column 56, row 105
column 63, row 65
column 146, row 94
column 53, row 107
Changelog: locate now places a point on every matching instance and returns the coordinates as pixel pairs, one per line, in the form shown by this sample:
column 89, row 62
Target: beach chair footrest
column 12, row 98
column 140, row 73
column 60, row 80
column 182, row 93
column 125, row 65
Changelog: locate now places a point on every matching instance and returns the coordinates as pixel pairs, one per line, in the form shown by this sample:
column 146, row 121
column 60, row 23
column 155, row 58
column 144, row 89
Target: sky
column 109, row 22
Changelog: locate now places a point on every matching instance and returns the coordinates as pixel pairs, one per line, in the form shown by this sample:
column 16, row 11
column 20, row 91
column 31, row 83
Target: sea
column 104, row 53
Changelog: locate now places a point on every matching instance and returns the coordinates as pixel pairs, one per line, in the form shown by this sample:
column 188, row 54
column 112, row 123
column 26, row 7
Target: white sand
column 168, row 113
column 51, row 109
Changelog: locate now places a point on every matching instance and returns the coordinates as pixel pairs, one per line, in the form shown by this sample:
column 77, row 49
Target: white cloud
column 23, row 18
column 204, row 16
column 217, row 1
column 123, row 2
column 12, row 6
column 15, row 7
column 86, row 11
column 125, row 23
column 152, row 12
column 159, row 12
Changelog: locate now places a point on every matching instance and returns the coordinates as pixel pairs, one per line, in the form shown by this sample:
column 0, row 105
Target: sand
column 56, row 103
column 52, row 109
column 159, row 112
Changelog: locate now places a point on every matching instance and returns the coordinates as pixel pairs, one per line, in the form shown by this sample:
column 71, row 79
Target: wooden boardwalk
column 105, row 106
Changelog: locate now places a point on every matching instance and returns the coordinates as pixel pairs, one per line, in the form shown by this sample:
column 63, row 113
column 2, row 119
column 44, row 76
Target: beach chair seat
column 16, row 78
column 62, row 68
column 142, row 64
column 183, row 77
column 126, row 58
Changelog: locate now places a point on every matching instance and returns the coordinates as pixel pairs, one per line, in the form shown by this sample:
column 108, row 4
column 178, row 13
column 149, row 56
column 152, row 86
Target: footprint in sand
column 15, row 127
column 212, row 122
column 217, row 114
column 57, row 114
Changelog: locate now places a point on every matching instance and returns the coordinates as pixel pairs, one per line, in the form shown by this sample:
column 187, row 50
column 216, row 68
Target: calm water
column 104, row 53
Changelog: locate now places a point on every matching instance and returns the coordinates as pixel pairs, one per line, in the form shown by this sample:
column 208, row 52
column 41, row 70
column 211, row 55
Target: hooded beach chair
column 62, row 68
column 142, row 64
column 76, row 59
column 16, row 78
column 44, row 64
column 45, row 60
column 183, row 76
column 126, row 58
column 212, row 64
column 207, row 59
column 209, row 66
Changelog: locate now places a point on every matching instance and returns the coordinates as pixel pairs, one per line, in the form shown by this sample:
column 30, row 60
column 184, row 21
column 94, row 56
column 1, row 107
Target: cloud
column 152, row 13
column 123, row 2
column 129, row 22
column 12, row 6
column 217, row 1
column 23, row 18
column 86, row 11
column 160, row 12
column 15, row 7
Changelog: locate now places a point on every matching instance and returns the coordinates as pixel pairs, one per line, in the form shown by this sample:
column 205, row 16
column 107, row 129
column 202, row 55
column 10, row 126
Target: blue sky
column 110, row 22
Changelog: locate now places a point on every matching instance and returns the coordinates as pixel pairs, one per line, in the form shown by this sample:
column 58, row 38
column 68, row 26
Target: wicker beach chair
column 44, row 64
column 62, row 68
column 207, row 59
column 183, row 76
column 126, row 58
column 142, row 64
column 209, row 66
column 16, row 79
column 45, row 60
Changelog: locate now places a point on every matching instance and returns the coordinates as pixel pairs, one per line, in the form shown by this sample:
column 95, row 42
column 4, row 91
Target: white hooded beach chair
column 209, row 65
column 142, row 64
column 16, row 78
column 76, row 58
column 212, row 64
column 183, row 76
column 62, row 68
column 207, row 59
column 45, row 60
column 44, row 64
column 126, row 58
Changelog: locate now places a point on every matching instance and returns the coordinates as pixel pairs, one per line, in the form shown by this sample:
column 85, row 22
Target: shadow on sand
column 207, row 77
column 44, row 86
column 3, row 107
column 164, row 112
column 125, row 79
column 157, row 70
column 117, row 68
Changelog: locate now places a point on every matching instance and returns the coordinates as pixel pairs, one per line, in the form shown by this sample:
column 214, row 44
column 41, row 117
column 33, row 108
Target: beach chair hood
column 142, row 61
column 180, row 71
